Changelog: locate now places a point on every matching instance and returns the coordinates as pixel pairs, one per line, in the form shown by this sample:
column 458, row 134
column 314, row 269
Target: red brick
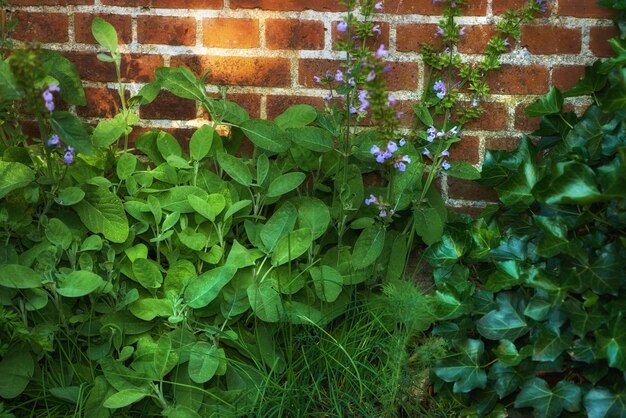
column 41, row 27
column 249, row 101
column 584, row 8
column 168, row 106
column 295, row 5
column 599, row 36
column 230, row 33
column 240, row 71
column 166, row 30
column 502, row 143
column 294, row 34
column 410, row 37
column 82, row 27
column 372, row 43
column 523, row 122
column 494, row 117
column 278, row 104
column 500, row 6
column 427, row 7
column 551, row 39
column 565, row 77
column 101, row 103
column 49, row 2
column 470, row 190
column 514, row 79
column 465, row 150
column 135, row 67
column 168, row 4
column 476, row 39
column 308, row 68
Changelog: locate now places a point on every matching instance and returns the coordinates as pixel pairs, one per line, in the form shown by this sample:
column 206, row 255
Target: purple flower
column 475, row 103
column 454, row 131
column 50, row 106
column 363, row 100
column 462, row 31
column 338, row 76
column 342, row 26
column 432, row 131
column 379, row 6
column 353, row 109
column 371, row 76
column 329, row 96
column 54, row 87
column 68, row 157
column 387, row 68
column 402, row 142
column 399, row 115
column 439, row 31
column 426, row 153
column 445, row 165
column 54, row 140
column 392, row 147
column 351, row 81
column 317, row 79
column 542, row 4
column 401, row 162
column 445, row 153
column 381, row 52
column 506, row 42
column 376, row 30
column 47, row 96
column 440, row 88
column 391, row 100
column 371, row 199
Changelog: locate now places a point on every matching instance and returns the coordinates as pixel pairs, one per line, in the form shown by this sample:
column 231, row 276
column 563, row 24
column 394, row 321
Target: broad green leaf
column 108, row 131
column 240, row 257
column 203, row 362
column 103, row 212
column 549, row 104
column 14, row 176
column 8, row 86
column 265, row 134
column 179, row 275
column 428, row 225
column 312, row 214
column 235, row 168
column 423, row 114
column 464, row 367
column 176, row 199
column 64, row 71
column 292, row 246
column 312, row 138
column 203, row 290
column 463, row 170
column 147, row 273
column 147, row 143
column 228, row 111
column 397, row 258
column 192, row 239
column 69, row 196
column 549, row 403
column 236, row 207
column 406, row 185
column 79, row 283
column 602, row 403
column 124, row 398
column 210, row 208
column 572, row 183
column 72, row 131
column 104, row 33
column 265, row 302
column 296, row 116
column 17, row 276
column 327, row 281
column 168, row 145
column 201, row 142
column 126, row 165
column 504, row 323
column 279, row 225
column 550, row 343
column 262, row 168
column 611, row 343
column 302, row 313
column 58, row 233
column 181, row 82
column 285, row 183
column 368, row 246
column 16, row 370
column 149, row 308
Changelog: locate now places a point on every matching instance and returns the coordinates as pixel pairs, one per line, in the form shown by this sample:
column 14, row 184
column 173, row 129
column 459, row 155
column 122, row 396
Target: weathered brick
column 466, row 149
column 507, row 143
column 428, row 7
column 551, row 39
column 166, row 30
column 519, row 79
column 168, row 4
column 240, row 71
column 476, row 39
column 82, row 27
column 279, row 103
column 522, row 122
column 583, row 8
column 410, row 37
column 294, row 34
column 373, row 43
column 230, row 33
column 41, row 27
column 501, row 6
column 470, row 190
column 50, row 2
column 295, row 5
column 168, row 106
column 599, row 36
column 494, row 117
column 566, row 76
column 135, row 67
column 101, row 103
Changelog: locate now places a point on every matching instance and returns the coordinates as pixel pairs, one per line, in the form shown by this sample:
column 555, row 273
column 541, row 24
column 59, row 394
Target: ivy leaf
column 446, row 251
column 504, row 323
column 554, row 239
column 464, row 368
column 550, row 343
column 570, row 183
column 611, row 343
column 605, row 274
column 549, row 104
column 549, row 403
column 602, row 403
column 582, row 321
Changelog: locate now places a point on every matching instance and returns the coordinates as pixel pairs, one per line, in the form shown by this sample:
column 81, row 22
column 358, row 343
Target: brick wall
column 269, row 50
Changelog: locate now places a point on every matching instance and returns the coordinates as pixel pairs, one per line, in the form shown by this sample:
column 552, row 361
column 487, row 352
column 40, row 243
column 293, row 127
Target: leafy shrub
column 531, row 293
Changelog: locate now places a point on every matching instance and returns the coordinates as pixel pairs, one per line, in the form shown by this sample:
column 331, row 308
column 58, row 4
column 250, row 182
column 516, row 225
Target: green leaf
column 228, row 111
column 203, row 290
column 17, row 276
column 292, row 246
column 296, row 116
column 16, row 370
column 327, row 281
column 571, row 183
column 583, row 321
column 285, row 183
column 58, row 233
column 549, row 104
column 236, row 207
column 72, row 131
column 611, row 343
column 265, row 302
column 312, row 214
column 550, row 343
column 368, row 246
column 181, row 82
column 423, row 114
column 446, row 251
column 265, row 134
column 554, row 239
column 176, row 199
column 201, row 142
column 548, row 403
column 69, row 196
column 147, row 273
column 124, row 398
column 279, row 225
column 235, row 168
column 209, row 208
column 79, row 283
column 14, row 176
column 464, row 368
column 126, row 165
column 602, row 403
column 312, row 138
column 428, row 225
column 103, row 212
column 463, row 170
column 108, row 131
column 168, row 146
column 262, row 168
column 504, row 323
column 8, row 86
column 104, row 33
column 149, row 308
column 203, row 362
column 64, row 71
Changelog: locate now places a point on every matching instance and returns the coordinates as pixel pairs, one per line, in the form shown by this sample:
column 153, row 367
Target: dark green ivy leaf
column 546, row 402
column 464, row 368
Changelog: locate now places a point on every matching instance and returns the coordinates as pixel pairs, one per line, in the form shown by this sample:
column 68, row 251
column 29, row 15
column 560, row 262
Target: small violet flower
column 432, row 131
column 342, row 26
column 440, row 88
column 54, row 140
column 371, row 76
column 363, row 100
column 371, row 200
column 391, row 100
column 317, row 79
column 401, row 162
column 338, row 76
column 454, row 131
column 445, row 153
column 381, row 52
column 475, row 103
column 542, row 4
column 379, row 6
column 439, row 31
column 48, row 97
column 68, row 157
column 445, row 165
column 376, row 29
column 462, row 31
column 402, row 142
